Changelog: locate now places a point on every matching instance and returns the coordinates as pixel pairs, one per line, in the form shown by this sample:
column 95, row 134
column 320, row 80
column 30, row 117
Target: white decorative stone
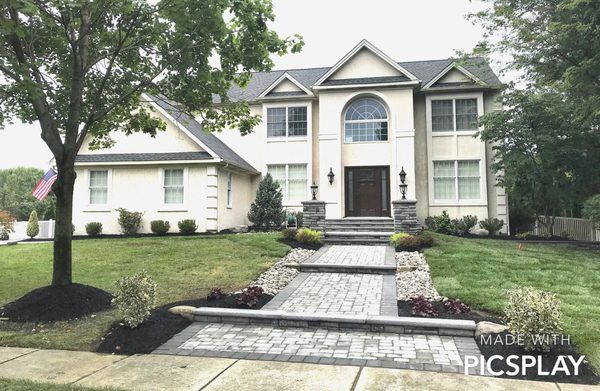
column 410, row 284
column 279, row 275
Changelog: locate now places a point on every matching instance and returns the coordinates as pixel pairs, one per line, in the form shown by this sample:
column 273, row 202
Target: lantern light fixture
column 331, row 175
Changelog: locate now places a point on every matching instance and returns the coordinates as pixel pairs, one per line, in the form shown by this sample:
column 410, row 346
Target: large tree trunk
column 63, row 233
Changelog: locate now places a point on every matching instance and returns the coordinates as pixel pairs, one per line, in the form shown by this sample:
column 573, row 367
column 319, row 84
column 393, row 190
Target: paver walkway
column 331, row 294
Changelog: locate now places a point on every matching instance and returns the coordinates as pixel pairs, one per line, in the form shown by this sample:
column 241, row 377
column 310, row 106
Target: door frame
column 383, row 213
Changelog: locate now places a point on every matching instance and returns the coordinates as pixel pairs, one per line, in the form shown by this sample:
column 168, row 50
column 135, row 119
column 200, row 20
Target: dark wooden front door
column 367, row 191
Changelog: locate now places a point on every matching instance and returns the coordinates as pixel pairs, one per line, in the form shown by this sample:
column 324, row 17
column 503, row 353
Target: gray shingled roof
column 142, row 157
column 365, row 80
column 207, row 138
column 423, row 70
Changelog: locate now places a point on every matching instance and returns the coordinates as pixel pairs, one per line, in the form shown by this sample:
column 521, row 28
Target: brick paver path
column 331, row 294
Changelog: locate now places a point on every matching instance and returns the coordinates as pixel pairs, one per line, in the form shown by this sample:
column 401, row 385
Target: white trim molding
column 182, row 207
column 285, row 76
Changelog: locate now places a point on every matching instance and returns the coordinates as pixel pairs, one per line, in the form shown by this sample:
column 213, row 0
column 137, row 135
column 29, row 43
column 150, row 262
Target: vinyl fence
column 46, row 230
column 577, row 229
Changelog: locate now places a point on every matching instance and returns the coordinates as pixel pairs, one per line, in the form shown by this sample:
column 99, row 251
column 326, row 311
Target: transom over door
column 367, row 191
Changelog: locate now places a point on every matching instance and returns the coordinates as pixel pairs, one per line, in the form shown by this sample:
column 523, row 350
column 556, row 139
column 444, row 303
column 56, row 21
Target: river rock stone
column 183, row 310
column 484, row 328
column 415, row 282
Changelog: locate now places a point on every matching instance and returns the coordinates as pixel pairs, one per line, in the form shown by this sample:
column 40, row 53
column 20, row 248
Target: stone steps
column 375, row 323
column 336, row 268
column 353, row 237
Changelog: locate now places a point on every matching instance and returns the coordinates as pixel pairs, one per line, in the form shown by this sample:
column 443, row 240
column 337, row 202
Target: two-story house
column 350, row 129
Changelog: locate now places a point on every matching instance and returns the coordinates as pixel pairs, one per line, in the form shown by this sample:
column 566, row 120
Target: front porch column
column 314, row 214
column 405, row 216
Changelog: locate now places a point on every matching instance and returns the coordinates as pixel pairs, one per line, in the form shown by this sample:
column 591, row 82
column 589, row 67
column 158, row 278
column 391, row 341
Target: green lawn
column 477, row 271
column 184, row 268
column 25, row 385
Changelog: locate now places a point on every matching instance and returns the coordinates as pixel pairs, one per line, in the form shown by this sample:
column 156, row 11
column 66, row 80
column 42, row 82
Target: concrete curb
column 333, row 268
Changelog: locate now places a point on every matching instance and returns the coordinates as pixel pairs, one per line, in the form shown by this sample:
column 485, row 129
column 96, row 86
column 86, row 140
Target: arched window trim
column 378, row 116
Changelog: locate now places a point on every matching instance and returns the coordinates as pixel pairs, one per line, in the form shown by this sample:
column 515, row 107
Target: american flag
column 43, row 188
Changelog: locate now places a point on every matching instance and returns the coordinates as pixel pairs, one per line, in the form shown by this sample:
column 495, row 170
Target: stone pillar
column 314, row 214
column 405, row 216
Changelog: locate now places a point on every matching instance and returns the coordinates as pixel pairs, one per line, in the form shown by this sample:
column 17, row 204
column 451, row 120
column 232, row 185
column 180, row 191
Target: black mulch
column 586, row 374
column 50, row 304
column 160, row 327
column 296, row 244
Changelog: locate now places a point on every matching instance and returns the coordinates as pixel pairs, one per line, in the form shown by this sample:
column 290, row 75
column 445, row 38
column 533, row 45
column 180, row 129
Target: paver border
column 286, row 292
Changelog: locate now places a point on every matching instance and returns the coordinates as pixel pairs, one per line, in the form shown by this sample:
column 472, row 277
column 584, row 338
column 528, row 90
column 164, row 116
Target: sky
column 405, row 30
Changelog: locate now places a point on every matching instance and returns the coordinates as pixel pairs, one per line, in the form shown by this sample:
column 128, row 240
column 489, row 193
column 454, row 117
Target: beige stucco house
column 364, row 119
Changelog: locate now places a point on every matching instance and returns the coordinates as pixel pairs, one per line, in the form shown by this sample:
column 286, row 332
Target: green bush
column 397, row 238
column 33, row 226
column 591, row 209
column 129, row 221
column 424, row 239
column 7, row 224
column 160, row 227
column 187, row 227
column 441, row 224
column 289, row 233
column 492, row 225
column 267, row 210
column 134, row 297
column 307, row 235
column 534, row 315
column 463, row 226
column 93, row 228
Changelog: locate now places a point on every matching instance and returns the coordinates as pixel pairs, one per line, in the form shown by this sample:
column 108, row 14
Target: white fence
column 46, row 230
column 577, row 229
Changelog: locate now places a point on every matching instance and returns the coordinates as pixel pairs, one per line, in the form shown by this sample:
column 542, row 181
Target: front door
column 367, row 191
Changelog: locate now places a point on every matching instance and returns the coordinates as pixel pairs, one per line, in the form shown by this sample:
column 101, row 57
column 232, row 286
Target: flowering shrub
column 215, row 294
column 534, row 315
column 423, row 307
column 135, row 296
column 249, row 297
column 455, row 306
column 307, row 235
column 7, row 224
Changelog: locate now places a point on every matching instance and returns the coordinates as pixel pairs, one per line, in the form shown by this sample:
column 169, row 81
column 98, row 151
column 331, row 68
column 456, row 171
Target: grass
column 184, row 268
column 478, row 270
column 26, row 385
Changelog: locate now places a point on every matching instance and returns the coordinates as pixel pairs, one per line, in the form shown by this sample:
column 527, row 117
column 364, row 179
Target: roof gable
column 365, row 61
column 454, row 75
column 285, row 85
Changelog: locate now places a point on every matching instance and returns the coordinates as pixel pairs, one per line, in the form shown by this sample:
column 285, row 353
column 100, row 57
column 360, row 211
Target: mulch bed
column 160, row 327
column 296, row 244
column 50, row 304
column 587, row 374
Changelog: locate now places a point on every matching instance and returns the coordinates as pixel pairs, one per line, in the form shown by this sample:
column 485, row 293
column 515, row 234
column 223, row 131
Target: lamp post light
column 331, row 175
column 403, row 185
column 313, row 190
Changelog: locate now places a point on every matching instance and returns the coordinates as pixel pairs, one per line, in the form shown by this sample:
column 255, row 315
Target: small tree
column 7, row 224
column 33, row 227
column 267, row 210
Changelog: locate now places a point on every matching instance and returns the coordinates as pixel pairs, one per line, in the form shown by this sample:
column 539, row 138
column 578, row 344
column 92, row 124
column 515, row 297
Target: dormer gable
column 454, row 75
column 285, row 86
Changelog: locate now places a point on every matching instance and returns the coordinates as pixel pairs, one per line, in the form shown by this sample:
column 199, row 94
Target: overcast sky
column 404, row 29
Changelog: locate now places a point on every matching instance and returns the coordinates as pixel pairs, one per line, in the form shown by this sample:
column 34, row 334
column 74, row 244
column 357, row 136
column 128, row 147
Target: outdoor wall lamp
column 403, row 185
column 313, row 190
column 331, row 175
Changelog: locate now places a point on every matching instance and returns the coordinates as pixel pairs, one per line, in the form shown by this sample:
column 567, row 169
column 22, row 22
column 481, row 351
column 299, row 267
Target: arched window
column 366, row 120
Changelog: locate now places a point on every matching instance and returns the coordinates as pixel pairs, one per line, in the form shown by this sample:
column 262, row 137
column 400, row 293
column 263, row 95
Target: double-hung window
column 456, row 180
column 173, row 186
column 229, row 194
column 448, row 115
column 292, row 178
column 287, row 121
column 98, row 187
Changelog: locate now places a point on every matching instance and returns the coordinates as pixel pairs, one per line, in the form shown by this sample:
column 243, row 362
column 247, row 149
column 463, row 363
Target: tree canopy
column 16, row 185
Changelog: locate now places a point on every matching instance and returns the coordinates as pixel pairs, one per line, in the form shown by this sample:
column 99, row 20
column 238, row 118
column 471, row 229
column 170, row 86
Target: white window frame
column 388, row 120
column 457, row 200
column 88, row 177
column 182, row 207
column 287, row 105
column 454, row 135
column 286, row 200
column 229, row 190
column 453, row 98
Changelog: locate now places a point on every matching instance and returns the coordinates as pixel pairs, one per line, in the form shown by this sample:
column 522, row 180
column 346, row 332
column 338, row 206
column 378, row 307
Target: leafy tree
column 591, row 209
column 267, row 210
column 16, row 185
column 80, row 69
column 33, row 226
column 7, row 224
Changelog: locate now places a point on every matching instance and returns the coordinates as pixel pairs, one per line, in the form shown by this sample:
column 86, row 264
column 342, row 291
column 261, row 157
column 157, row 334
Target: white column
column 212, row 194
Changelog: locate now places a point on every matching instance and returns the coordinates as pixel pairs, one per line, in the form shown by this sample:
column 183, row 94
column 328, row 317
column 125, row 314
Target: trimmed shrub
column 134, row 297
column 463, row 226
column 441, row 224
column 267, row 210
column 424, row 239
column 93, row 228
column 492, row 225
column 129, row 221
column 7, row 224
column 307, row 235
column 33, row 226
column 591, row 209
column 422, row 307
column 455, row 306
column 160, row 227
column 187, row 227
column 534, row 315
column 289, row 233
